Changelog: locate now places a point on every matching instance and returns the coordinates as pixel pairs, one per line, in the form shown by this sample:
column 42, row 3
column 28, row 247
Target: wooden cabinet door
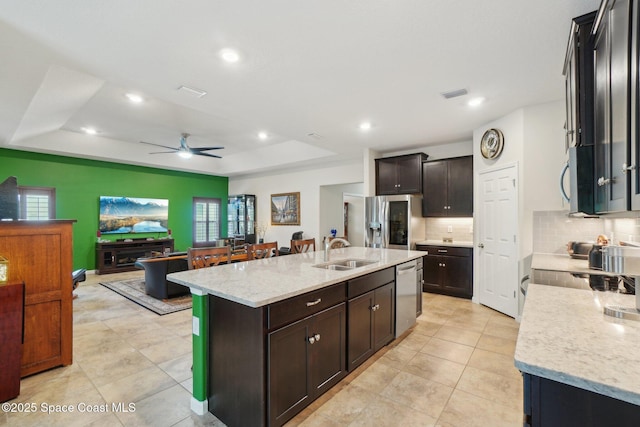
column 383, row 316
column 360, row 345
column 432, row 273
column 408, row 174
column 386, row 181
column 288, row 382
column 434, row 198
column 460, row 187
column 457, row 275
column 327, row 364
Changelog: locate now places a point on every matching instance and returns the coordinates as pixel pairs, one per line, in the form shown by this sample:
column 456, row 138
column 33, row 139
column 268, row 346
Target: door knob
column 481, row 245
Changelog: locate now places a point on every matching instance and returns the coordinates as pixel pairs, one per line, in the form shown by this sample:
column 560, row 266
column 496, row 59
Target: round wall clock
column 491, row 144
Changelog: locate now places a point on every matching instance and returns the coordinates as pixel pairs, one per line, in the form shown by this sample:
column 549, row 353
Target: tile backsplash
column 553, row 229
column 438, row 228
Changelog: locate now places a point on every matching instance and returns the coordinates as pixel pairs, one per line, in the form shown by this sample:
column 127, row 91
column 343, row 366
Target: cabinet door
column 619, row 118
column 327, row 363
column 386, row 181
column 460, row 187
column 456, row 279
column 409, row 174
column 601, row 125
column 432, row 273
column 360, row 346
column 434, row 199
column 383, row 317
column 288, row 379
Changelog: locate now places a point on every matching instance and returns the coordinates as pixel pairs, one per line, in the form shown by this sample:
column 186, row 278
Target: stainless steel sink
column 344, row 264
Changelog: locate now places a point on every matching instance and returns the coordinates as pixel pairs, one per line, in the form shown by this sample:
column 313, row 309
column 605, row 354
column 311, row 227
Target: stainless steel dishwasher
column 406, row 296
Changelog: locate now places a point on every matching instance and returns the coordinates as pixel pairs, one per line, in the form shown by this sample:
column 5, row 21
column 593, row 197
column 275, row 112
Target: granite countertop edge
column 262, row 282
column 565, row 337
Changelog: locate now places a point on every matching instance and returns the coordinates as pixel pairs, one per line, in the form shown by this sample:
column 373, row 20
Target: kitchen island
column 580, row 367
column 281, row 324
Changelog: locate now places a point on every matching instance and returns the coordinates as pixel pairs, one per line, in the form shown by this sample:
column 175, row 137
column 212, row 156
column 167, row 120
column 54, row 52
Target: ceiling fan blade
column 158, row 145
column 205, row 154
column 199, row 149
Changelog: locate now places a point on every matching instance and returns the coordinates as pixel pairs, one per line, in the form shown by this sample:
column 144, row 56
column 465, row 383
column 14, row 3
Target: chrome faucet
column 328, row 244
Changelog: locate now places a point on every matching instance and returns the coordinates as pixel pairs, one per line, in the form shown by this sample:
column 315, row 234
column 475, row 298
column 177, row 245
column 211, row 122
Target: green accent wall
column 80, row 182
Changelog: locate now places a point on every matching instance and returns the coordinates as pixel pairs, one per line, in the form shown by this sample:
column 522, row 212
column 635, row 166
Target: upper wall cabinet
column 612, row 105
column 578, row 74
column 448, row 187
column 635, row 107
column 399, row 174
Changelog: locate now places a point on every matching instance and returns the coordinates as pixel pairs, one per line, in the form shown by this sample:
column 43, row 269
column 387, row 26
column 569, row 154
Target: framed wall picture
column 285, row 209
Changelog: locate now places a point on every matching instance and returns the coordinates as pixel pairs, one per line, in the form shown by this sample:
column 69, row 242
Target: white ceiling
column 307, row 67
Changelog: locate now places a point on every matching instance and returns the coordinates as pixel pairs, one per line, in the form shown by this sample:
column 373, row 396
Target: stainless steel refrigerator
column 394, row 222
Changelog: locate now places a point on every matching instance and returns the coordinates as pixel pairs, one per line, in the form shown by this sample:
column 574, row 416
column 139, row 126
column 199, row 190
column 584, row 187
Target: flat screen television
column 119, row 215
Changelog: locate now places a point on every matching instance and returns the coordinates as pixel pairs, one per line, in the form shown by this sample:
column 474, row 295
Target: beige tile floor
column 454, row 368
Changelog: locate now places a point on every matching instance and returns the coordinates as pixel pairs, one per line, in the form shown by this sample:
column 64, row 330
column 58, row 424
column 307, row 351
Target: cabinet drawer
column 360, row 285
column 447, row 250
column 292, row 309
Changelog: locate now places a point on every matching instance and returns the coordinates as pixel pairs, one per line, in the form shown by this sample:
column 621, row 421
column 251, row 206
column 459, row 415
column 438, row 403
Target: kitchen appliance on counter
column 406, row 296
column 393, row 222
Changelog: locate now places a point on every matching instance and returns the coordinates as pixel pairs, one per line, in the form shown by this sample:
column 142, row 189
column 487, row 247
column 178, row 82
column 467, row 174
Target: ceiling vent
column 198, row 93
column 454, row 93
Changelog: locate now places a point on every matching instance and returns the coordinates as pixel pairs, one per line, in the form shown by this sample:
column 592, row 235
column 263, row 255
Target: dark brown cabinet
column 370, row 324
column 114, row 257
column 399, row 174
column 550, row 403
column 306, row 358
column 612, row 116
column 448, row 187
column 578, row 74
column 448, row 270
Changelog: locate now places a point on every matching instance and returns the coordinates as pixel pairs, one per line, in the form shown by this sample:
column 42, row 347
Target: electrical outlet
column 449, row 228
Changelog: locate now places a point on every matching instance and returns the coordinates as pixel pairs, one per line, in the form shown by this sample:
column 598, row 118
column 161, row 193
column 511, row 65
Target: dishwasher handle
column 406, row 270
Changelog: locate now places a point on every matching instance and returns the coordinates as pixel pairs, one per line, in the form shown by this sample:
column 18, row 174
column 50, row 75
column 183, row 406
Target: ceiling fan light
column 185, row 154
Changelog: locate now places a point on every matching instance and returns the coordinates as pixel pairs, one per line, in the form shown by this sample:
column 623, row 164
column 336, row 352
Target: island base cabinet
column 370, row 323
column 306, row 358
column 549, row 403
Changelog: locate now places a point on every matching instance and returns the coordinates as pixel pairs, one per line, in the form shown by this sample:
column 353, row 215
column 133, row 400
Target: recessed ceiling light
column 365, row 126
column 263, row 136
column 230, row 55
column 89, row 131
column 136, row 99
column 474, row 102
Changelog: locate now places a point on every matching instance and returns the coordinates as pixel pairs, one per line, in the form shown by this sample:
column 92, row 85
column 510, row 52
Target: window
column 206, row 221
column 37, row 203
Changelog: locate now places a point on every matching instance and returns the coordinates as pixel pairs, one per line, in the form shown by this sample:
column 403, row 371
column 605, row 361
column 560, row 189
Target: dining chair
column 207, row 257
column 303, row 245
column 262, row 250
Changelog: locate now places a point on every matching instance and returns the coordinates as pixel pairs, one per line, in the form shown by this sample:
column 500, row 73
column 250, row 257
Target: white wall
column 331, row 202
column 308, row 183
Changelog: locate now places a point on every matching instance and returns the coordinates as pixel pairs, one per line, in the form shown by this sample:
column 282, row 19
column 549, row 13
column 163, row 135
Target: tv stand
column 115, row 257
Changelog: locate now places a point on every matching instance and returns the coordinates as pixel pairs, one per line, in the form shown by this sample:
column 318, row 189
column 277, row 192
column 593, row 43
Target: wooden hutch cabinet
column 40, row 255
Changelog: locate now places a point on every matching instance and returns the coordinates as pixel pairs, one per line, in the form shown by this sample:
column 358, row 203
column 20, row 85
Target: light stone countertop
column 562, row 262
column 455, row 243
column 565, row 337
column 260, row 282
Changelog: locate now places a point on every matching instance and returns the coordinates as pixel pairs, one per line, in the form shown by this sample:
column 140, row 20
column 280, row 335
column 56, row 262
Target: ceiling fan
column 184, row 150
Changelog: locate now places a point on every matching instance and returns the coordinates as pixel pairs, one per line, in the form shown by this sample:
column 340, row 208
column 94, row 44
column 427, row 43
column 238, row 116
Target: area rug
column 133, row 289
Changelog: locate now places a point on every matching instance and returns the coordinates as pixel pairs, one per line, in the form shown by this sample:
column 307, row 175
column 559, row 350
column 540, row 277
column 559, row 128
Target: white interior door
column 497, row 241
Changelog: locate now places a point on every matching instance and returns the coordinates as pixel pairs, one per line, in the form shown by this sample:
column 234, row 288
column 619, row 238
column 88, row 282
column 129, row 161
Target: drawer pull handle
column 312, row 303
column 442, row 251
